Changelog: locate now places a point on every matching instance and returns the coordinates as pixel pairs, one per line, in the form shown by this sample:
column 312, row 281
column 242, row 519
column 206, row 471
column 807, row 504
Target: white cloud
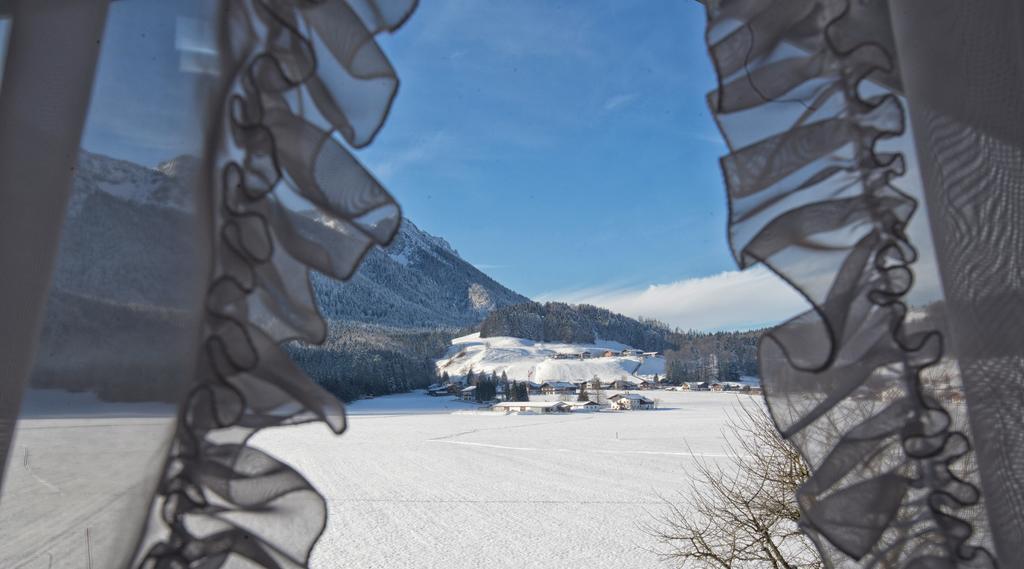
column 618, row 101
column 733, row 300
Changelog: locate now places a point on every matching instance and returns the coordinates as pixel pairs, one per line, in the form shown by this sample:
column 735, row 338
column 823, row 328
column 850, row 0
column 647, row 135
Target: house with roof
column 438, row 390
column 584, row 406
column 557, row 388
column 630, row 402
column 623, row 384
column 532, row 407
column 468, row 393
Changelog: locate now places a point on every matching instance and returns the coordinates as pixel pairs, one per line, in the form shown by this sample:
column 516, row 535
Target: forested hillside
column 418, row 281
column 690, row 356
column 396, row 315
column 359, row 359
column 712, row 356
column 574, row 324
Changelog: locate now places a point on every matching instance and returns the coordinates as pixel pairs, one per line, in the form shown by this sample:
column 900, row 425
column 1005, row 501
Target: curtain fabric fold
column 811, row 197
column 301, row 79
column 196, row 214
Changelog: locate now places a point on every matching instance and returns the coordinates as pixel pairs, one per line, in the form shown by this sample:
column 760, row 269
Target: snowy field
column 420, row 482
column 527, row 360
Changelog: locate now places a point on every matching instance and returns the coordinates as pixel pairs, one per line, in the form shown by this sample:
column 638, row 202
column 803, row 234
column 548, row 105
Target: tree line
column 358, row 360
column 487, row 387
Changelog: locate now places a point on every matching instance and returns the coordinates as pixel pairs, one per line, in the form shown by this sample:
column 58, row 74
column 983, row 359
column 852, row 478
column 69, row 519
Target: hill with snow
column 529, row 360
column 419, row 281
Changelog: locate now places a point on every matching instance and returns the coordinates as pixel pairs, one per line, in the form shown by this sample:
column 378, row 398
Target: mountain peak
column 419, row 281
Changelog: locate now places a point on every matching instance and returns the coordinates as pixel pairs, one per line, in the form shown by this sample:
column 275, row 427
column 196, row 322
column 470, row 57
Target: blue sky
column 565, row 148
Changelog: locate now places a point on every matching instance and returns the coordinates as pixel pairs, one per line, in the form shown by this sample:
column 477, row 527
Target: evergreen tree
column 470, row 378
column 583, row 396
column 445, row 380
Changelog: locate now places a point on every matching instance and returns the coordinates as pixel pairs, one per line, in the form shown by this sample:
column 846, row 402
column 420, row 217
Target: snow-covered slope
column 527, row 360
column 419, row 281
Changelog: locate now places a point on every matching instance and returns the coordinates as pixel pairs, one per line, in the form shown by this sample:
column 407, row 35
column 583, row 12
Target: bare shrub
column 741, row 511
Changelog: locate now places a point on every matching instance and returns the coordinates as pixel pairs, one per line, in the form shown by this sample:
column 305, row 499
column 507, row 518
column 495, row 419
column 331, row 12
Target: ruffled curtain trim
column 302, row 79
column 806, row 94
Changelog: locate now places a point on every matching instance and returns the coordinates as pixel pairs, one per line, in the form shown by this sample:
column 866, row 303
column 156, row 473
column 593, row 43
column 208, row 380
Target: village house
column 438, row 390
column 557, row 388
column 533, row 387
column 532, row 407
column 468, row 393
column 608, row 354
column 651, row 354
column 717, row 387
column 631, row 352
column 623, row 384
column 584, row 406
column 630, row 402
column 586, row 355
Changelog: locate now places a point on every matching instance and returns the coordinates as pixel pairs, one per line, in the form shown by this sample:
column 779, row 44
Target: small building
column 584, row 406
column 438, row 390
column 623, row 384
column 468, row 393
column 557, row 388
column 651, row 354
column 533, row 387
column 586, row 355
column 647, row 384
column 532, row 407
column 717, row 387
column 630, row 402
column 608, row 354
column 628, row 352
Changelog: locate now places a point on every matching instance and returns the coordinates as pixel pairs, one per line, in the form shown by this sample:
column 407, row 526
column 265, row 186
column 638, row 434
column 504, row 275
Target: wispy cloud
column 732, row 300
column 710, row 137
column 516, row 29
column 417, row 152
column 619, row 101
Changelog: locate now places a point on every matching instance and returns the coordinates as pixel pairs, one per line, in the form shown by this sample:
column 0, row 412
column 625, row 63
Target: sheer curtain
column 171, row 172
column 811, row 96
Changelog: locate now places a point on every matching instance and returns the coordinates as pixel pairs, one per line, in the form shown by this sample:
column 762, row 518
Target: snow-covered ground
column 58, row 508
column 527, row 360
column 415, row 484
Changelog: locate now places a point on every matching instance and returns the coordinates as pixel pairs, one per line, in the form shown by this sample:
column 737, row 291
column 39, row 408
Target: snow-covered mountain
column 529, row 360
column 419, row 281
